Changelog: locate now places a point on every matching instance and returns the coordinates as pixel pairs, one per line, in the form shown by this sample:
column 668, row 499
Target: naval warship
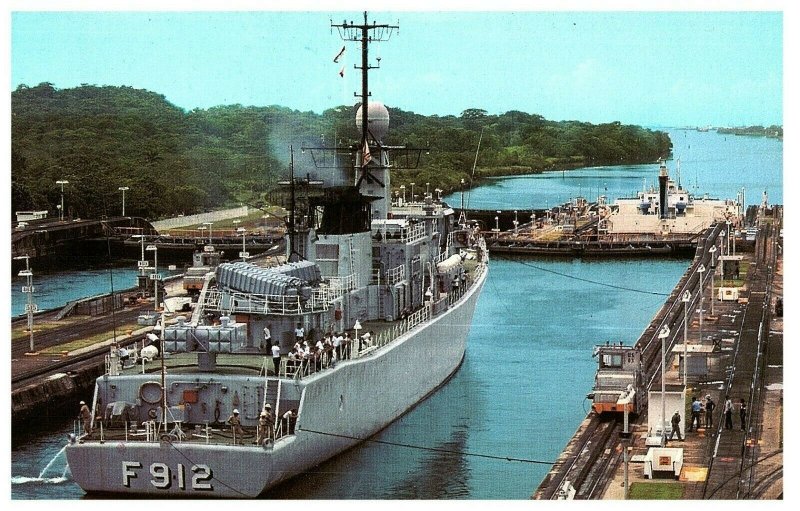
column 368, row 313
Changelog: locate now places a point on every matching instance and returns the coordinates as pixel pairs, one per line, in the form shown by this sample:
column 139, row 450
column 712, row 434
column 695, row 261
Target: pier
column 738, row 351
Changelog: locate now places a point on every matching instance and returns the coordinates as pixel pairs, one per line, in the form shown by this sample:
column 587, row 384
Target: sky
column 654, row 68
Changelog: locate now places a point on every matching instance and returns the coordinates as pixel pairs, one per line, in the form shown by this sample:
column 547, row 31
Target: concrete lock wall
column 213, row 216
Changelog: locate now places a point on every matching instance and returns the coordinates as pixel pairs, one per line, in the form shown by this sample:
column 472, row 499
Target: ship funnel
column 663, row 176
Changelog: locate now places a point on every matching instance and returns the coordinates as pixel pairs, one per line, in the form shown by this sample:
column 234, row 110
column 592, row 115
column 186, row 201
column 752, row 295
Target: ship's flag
column 338, row 55
column 367, row 157
column 341, row 72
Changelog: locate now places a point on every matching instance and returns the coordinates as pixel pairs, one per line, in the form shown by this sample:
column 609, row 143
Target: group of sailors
column 308, row 356
column 265, row 428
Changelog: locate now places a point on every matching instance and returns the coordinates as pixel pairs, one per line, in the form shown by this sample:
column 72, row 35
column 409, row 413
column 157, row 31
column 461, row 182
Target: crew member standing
column 696, row 408
column 710, row 411
column 743, row 414
column 263, row 425
column 236, row 425
column 270, row 422
column 676, row 426
column 728, row 413
column 86, row 416
column 300, row 333
column 267, row 338
column 276, row 358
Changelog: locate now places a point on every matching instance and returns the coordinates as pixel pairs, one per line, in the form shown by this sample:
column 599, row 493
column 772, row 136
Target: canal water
column 54, row 289
column 710, row 163
column 494, row 429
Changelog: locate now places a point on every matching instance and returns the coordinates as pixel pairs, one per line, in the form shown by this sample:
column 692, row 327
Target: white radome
column 377, row 119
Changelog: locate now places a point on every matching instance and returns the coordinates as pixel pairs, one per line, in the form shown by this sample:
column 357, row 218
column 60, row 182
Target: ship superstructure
column 369, row 312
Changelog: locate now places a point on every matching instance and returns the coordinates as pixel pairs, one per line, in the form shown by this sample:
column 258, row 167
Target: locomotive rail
column 594, row 455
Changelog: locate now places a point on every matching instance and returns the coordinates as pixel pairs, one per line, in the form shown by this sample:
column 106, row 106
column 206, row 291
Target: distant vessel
column 407, row 274
column 663, row 220
column 667, row 210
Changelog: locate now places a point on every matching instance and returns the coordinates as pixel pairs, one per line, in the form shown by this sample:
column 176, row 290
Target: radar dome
column 377, row 119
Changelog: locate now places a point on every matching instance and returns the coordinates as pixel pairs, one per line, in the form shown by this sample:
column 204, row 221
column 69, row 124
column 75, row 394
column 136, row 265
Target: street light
column 142, row 262
column 155, row 277
column 712, row 251
column 663, row 334
column 30, row 307
column 701, row 269
column 62, row 182
column 728, row 236
column 516, row 222
column 123, row 189
column 687, row 297
column 412, row 191
column 403, row 189
column 243, row 254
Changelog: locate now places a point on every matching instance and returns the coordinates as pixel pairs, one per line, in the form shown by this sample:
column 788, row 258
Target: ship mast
column 365, row 33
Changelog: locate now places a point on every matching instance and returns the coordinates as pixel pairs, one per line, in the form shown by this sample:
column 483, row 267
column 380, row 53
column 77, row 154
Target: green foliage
column 655, row 491
column 173, row 161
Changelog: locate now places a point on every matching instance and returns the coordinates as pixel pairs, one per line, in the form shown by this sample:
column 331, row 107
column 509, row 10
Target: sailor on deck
column 86, row 416
column 236, row 425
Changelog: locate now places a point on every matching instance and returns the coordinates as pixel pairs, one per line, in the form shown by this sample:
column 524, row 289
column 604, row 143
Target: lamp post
column 663, row 334
column 62, row 182
column 686, row 299
column 497, row 224
column 243, row 233
column 155, row 277
column 412, row 191
column 403, row 190
column 30, row 307
column 427, row 189
column 142, row 263
column 701, row 269
column 123, row 189
column 209, row 224
column 728, row 237
column 712, row 251
column 516, row 223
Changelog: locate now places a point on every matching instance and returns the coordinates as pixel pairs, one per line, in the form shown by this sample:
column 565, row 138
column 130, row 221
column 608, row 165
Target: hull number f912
column 162, row 478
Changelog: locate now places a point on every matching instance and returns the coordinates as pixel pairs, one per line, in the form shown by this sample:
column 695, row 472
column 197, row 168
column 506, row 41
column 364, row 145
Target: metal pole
column 663, row 334
column 685, row 338
column 702, row 295
column 663, row 392
column 156, row 280
column 625, row 461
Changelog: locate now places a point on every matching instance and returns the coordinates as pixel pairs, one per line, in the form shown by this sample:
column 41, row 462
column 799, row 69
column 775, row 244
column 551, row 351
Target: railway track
column 596, row 439
column 27, row 369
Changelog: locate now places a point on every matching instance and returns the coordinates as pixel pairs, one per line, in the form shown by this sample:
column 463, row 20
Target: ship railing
column 441, row 257
column 246, row 303
column 396, row 274
column 342, row 284
column 412, row 233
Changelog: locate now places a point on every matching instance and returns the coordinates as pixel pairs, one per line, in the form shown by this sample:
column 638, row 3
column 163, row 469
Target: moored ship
column 369, row 313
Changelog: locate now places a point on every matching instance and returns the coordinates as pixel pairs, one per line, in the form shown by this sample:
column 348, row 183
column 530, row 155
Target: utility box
column 728, row 294
column 664, row 462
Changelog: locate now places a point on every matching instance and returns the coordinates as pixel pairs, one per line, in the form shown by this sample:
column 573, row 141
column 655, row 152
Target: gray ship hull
column 340, row 407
